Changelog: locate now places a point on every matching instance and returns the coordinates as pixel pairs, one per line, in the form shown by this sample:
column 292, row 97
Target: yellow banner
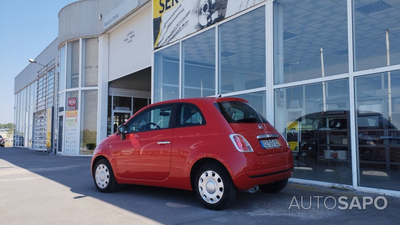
column 73, row 113
column 48, row 134
column 161, row 6
column 292, row 135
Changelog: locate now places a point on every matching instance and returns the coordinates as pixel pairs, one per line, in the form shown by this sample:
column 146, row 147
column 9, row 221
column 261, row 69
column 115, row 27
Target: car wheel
column 104, row 176
column 214, row 187
column 274, row 187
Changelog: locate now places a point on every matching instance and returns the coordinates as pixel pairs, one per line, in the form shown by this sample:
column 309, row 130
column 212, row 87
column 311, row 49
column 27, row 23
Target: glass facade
column 33, row 112
column 166, row 82
column 310, row 39
column 72, row 64
column 315, row 120
column 78, row 101
column 240, row 63
column 321, row 58
column 88, row 122
column 376, row 34
column 61, row 70
column 25, row 104
column 90, row 62
column 316, row 117
column 378, row 120
column 242, row 52
column 198, row 77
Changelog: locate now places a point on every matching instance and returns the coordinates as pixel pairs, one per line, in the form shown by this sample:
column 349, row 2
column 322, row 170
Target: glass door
column 119, row 118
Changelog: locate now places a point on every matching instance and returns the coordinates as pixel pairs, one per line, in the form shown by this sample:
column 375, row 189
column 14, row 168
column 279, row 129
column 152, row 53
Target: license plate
column 268, row 144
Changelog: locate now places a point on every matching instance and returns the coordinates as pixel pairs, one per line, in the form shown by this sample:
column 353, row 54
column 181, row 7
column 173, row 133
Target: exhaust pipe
column 253, row 189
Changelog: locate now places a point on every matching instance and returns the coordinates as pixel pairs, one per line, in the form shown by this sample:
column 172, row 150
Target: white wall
column 131, row 45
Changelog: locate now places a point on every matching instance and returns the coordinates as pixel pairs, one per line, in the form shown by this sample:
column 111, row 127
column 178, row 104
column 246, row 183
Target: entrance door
column 119, row 119
column 60, row 133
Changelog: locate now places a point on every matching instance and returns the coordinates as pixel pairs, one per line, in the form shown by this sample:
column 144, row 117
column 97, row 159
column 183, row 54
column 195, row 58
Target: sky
column 27, row 27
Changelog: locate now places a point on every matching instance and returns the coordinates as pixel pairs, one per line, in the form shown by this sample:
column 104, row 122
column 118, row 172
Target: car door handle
column 163, row 142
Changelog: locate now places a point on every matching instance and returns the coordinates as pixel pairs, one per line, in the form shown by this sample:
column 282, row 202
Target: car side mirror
column 123, row 130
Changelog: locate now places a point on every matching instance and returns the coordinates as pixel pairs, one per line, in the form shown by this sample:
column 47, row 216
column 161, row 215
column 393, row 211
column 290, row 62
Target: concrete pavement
column 49, row 189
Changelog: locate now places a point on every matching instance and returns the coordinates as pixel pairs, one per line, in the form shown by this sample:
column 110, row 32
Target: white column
column 103, row 88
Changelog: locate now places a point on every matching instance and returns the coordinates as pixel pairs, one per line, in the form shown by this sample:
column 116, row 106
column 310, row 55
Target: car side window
column 190, row 115
column 157, row 117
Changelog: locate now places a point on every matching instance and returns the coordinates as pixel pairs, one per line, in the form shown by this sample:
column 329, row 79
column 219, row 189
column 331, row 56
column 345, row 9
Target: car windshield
column 239, row 112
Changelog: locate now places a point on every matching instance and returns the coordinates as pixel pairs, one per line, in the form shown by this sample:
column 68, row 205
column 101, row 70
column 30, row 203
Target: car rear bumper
column 266, row 173
column 254, row 170
column 252, row 178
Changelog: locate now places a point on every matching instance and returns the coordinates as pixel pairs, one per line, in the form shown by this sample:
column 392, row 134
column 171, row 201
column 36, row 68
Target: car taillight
column 241, row 144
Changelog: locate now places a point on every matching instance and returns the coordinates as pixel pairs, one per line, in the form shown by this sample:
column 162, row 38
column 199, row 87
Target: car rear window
column 239, row 112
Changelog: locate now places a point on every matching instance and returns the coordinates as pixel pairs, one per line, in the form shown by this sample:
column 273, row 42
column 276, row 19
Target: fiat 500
column 212, row 146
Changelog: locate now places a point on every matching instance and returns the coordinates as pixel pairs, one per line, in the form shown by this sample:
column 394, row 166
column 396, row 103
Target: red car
column 213, row 146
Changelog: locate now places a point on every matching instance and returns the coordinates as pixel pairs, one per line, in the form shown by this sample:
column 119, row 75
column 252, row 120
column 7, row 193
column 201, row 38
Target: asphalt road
column 49, row 189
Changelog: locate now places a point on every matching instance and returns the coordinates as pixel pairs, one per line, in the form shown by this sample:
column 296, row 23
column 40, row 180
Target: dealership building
column 325, row 73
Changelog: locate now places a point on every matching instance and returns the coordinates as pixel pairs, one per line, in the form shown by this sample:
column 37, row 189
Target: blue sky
column 27, row 27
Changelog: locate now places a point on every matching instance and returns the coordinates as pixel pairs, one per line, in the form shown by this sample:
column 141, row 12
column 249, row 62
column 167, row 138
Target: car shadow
column 74, row 173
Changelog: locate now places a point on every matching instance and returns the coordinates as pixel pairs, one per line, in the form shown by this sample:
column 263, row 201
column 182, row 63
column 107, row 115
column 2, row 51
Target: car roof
column 202, row 99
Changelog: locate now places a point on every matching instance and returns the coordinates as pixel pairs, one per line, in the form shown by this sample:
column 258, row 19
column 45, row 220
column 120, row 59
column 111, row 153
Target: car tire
column 103, row 176
column 274, row 187
column 214, row 187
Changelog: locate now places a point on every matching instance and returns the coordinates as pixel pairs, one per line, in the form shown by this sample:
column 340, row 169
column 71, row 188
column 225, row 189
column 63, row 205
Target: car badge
column 260, row 126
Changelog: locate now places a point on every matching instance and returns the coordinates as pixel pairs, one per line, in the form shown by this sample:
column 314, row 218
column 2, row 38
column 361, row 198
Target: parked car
column 2, row 142
column 213, row 146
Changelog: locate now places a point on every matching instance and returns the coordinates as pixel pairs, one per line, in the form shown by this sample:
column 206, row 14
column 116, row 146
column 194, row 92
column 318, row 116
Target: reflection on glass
column 315, row 120
column 256, row 100
column 61, row 79
column 310, row 39
column 73, row 64
column 199, row 65
column 377, row 34
column 242, row 52
column 378, row 110
column 88, row 122
column 166, row 74
column 91, row 67
column 61, row 103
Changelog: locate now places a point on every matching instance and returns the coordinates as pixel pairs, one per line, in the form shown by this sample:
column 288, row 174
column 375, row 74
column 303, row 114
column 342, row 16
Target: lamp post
column 321, row 50
column 389, row 74
column 34, row 61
